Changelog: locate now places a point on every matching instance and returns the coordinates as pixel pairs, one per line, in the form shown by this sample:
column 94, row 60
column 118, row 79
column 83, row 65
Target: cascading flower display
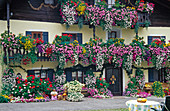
column 68, row 13
column 101, row 16
column 145, row 7
column 8, row 81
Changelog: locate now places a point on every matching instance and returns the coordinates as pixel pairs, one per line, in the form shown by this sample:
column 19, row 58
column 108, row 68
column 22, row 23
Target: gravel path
column 86, row 104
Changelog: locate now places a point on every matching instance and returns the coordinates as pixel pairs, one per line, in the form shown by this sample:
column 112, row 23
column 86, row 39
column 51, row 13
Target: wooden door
column 115, row 80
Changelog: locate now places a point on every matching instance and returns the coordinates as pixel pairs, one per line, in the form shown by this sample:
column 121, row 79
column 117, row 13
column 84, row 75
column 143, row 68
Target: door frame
column 121, row 74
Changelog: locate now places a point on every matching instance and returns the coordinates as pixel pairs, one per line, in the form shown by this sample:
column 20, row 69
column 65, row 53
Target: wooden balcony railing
column 13, row 51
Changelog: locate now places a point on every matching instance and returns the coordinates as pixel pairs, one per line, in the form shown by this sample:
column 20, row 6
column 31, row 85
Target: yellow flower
column 133, row 8
column 39, row 98
column 84, row 50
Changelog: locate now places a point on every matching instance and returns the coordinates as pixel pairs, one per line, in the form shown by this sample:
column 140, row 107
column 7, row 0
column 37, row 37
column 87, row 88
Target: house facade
column 42, row 19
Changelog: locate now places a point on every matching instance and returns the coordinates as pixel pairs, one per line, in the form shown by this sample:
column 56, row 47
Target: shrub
column 101, row 85
column 4, row 99
column 158, row 89
column 8, row 81
column 74, row 91
column 31, row 87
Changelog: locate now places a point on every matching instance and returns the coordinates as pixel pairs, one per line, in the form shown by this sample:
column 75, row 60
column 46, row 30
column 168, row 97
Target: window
column 74, row 75
column 111, row 3
column 156, row 75
column 38, row 34
column 49, row 2
column 115, row 33
column 151, row 38
column 112, row 34
column 78, row 75
column 75, row 36
column 43, row 74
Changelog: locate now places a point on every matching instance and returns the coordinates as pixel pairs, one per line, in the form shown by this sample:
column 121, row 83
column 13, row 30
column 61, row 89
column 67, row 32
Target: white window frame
column 118, row 30
column 110, row 3
column 154, row 35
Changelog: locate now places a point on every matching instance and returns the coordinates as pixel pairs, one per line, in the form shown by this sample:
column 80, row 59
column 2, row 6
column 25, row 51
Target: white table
column 137, row 106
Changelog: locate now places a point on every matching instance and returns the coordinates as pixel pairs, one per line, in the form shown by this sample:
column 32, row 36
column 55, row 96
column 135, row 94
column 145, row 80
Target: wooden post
column 94, row 30
column 8, row 16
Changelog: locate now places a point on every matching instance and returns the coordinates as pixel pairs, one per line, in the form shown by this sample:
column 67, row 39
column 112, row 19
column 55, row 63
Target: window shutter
column 29, row 33
column 45, row 37
column 149, row 40
column 50, row 74
column 79, row 37
column 163, row 37
column 150, row 72
column 68, row 76
column 30, row 72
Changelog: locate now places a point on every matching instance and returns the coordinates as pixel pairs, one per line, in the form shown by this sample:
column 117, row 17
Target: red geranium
column 101, row 84
column 18, row 82
column 20, row 87
column 49, row 51
column 39, row 41
column 50, row 85
column 100, row 79
column 39, row 83
column 41, row 80
column 142, row 1
column 32, row 81
column 17, row 78
column 33, row 86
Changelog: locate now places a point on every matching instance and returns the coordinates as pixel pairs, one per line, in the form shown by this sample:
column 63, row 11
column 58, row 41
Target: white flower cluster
column 99, row 61
column 8, row 79
column 138, row 60
column 109, row 21
column 114, row 58
column 159, row 61
column 62, row 61
column 74, row 90
column 167, row 75
column 75, row 96
column 60, row 80
column 76, row 59
column 128, row 62
column 90, row 81
column 69, row 14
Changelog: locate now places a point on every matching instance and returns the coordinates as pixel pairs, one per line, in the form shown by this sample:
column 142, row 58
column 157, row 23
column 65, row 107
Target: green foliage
column 31, row 87
column 158, row 89
column 8, row 81
column 116, row 42
column 3, row 99
column 136, row 82
column 64, row 39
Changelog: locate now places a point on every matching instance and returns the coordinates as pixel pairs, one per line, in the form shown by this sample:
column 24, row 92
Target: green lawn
column 122, row 109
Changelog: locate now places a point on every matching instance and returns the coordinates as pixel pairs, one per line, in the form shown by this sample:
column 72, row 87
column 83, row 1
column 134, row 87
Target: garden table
column 137, row 106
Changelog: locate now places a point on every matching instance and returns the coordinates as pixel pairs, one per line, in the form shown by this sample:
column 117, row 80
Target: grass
column 121, row 109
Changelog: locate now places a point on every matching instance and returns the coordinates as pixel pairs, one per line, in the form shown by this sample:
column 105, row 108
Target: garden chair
column 165, row 106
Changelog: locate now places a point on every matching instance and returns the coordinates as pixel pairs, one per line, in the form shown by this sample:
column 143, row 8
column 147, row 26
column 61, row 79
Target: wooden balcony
column 14, row 51
column 143, row 19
